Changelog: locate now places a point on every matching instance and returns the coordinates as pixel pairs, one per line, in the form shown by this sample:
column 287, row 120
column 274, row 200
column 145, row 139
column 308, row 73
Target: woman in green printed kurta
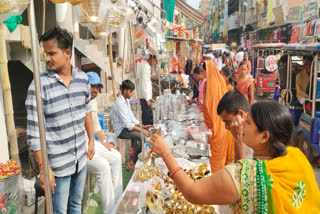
column 279, row 179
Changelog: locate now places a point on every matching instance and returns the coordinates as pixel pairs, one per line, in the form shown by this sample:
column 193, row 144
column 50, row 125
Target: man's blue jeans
column 68, row 193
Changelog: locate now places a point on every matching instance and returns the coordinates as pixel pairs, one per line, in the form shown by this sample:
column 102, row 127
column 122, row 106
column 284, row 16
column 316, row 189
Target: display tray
column 129, row 204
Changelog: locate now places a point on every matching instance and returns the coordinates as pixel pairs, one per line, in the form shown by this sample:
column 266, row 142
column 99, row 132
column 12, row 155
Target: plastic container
column 107, row 119
column 10, row 194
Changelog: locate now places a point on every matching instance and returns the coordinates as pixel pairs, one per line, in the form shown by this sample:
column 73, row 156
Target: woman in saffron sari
column 279, row 179
column 221, row 143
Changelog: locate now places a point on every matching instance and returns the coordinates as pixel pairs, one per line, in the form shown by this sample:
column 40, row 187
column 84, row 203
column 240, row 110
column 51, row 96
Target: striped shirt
column 65, row 109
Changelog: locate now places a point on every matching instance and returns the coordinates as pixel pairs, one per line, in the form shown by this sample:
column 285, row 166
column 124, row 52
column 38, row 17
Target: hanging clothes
column 313, row 25
column 297, row 34
column 317, row 28
column 305, row 30
column 309, row 30
column 294, row 35
column 301, row 31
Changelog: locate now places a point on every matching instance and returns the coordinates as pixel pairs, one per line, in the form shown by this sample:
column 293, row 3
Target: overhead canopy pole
column 111, row 66
column 37, row 85
column 157, row 66
column 135, row 82
column 124, row 53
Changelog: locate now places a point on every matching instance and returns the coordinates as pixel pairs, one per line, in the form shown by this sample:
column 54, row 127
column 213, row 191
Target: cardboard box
column 29, row 193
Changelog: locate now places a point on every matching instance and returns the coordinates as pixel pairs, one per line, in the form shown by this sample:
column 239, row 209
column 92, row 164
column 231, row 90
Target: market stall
column 133, row 199
column 183, row 48
column 150, row 188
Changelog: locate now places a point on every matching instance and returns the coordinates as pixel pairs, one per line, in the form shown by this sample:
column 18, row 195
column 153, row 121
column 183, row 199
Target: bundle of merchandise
column 166, row 107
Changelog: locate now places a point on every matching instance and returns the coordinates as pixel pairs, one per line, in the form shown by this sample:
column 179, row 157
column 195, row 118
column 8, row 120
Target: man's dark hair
column 197, row 70
column 232, row 102
column 284, row 59
column 127, row 85
column 308, row 58
column 226, row 71
column 152, row 56
column 63, row 37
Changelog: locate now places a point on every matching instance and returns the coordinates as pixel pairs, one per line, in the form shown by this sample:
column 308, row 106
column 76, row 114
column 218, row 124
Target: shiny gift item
column 177, row 204
column 196, row 147
column 113, row 20
column 90, row 11
column 148, row 170
column 154, row 200
column 145, row 173
column 149, row 157
column 149, row 160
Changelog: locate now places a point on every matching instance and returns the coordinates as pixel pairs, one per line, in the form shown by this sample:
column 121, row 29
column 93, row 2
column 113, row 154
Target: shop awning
column 189, row 12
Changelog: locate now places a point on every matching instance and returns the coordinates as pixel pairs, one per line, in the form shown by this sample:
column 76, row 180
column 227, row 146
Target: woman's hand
column 236, row 128
column 158, row 145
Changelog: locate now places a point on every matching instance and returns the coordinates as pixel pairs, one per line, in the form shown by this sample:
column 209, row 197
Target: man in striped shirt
column 67, row 115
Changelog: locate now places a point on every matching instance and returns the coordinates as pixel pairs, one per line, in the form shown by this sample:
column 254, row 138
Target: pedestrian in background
column 245, row 83
column 144, row 87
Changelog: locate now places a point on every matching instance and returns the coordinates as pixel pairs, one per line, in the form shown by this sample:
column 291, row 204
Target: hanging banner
column 170, row 45
column 294, row 14
column 216, row 16
column 310, row 9
column 263, row 22
column 225, row 31
column 269, row 11
column 295, row 10
column 182, row 61
column 233, row 21
column 262, row 15
column 279, row 16
column 184, row 49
